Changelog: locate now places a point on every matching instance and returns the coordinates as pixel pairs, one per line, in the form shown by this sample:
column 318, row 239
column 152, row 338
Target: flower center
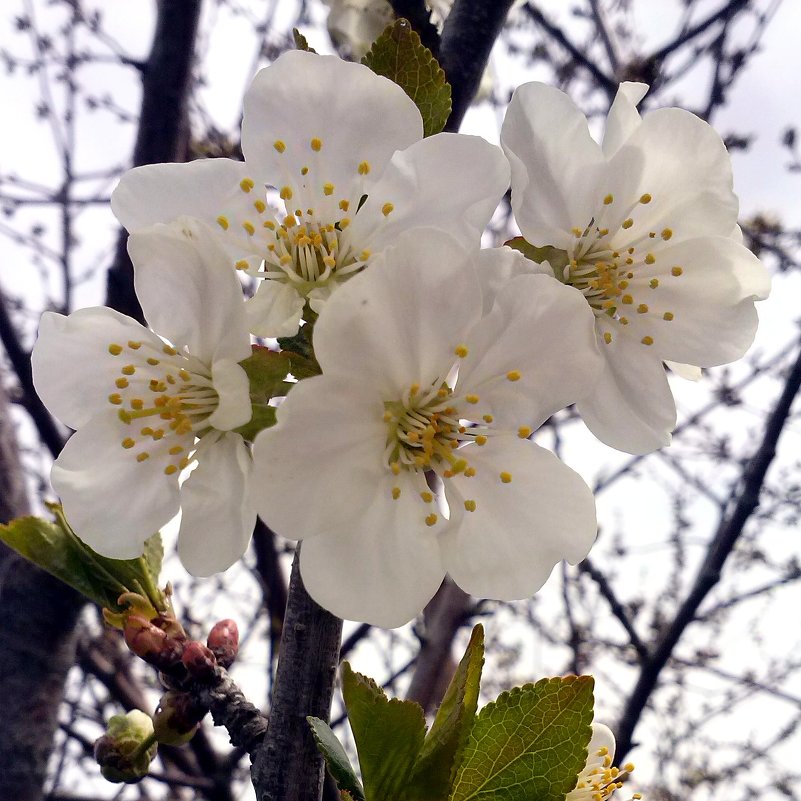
column 616, row 271
column 599, row 779
column 308, row 245
column 169, row 391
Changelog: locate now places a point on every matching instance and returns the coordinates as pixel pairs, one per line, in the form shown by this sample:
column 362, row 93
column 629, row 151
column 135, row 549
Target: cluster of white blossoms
column 409, row 456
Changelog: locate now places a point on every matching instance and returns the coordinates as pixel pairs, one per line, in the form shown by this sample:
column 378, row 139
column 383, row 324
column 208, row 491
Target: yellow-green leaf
column 388, row 735
column 556, row 258
column 444, row 743
column 336, row 759
column 530, row 743
column 398, row 54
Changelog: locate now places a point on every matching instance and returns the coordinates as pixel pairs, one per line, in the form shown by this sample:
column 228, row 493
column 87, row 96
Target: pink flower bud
column 151, row 643
column 198, row 660
column 223, row 641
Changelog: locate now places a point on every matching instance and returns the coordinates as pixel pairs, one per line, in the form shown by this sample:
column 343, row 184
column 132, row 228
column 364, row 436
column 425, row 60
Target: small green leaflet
column 300, row 41
column 336, row 759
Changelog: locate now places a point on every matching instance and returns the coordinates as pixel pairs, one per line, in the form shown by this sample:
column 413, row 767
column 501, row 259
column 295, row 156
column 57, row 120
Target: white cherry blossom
column 148, row 405
column 647, row 228
column 599, row 779
column 408, row 458
column 335, row 168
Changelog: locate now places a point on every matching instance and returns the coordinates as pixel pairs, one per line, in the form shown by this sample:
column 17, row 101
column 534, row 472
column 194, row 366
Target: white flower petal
column 687, row 371
column 205, row 189
column 381, row 570
column 112, row 501
column 543, row 331
column 623, row 118
column 73, row 369
column 551, row 152
column 233, row 388
column 519, row 530
column 496, row 267
column 399, row 321
column 314, row 468
column 631, row 407
column 217, row 518
column 451, row 182
column 188, row 291
column 275, row 310
column 357, row 115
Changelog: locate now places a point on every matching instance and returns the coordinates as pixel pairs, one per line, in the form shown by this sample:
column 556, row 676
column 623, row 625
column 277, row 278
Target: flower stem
column 288, row 766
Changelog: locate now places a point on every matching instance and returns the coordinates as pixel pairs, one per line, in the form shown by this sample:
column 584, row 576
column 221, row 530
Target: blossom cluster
column 410, row 454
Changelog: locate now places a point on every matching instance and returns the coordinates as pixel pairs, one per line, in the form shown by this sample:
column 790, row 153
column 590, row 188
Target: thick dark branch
column 467, row 39
column 721, row 546
column 288, row 766
column 163, row 133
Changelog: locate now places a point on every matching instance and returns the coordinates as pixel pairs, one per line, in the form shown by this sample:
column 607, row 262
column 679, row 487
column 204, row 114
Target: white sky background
column 764, row 102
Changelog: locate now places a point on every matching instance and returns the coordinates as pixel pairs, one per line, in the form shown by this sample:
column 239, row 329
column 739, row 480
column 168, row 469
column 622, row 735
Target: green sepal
column 389, row 734
column 554, row 256
column 337, row 760
column 55, row 547
column 398, row 54
column 442, row 749
column 300, row 41
column 529, row 743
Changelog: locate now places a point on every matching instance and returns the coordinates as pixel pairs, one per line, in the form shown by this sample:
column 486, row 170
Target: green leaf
column 300, row 41
column 388, row 735
column 55, row 548
column 556, row 258
column 530, row 743
column 439, row 757
column 398, row 54
column 336, row 759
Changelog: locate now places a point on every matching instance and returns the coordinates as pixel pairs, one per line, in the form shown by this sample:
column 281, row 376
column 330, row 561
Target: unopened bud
column 151, row 644
column 223, row 641
column 198, row 660
column 126, row 750
column 177, row 718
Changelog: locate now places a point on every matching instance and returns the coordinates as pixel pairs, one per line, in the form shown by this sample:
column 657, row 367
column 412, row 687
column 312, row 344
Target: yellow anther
column 607, row 337
column 285, row 259
column 395, row 493
column 260, row 206
column 246, row 184
column 576, row 232
column 279, row 145
column 666, row 234
column 636, row 796
column 152, row 361
column 471, row 398
column 121, row 383
column 115, row 350
column 652, row 234
column 134, row 345
column 269, row 224
column 653, row 283
column 175, row 450
column 608, row 200
column 506, row 477
column 645, row 199
column 623, row 285
column 316, row 144
column 241, row 265
column 414, row 389
column 642, row 308
column 364, row 167
column 344, row 205
column 364, row 255
column 344, row 223
column 427, row 497
column 469, row 472
column 431, row 519
column 184, row 374
column 387, row 209
column 115, row 398
column 487, row 418
column 627, row 299
column 667, row 316
column 158, row 434
column 650, row 258
column 170, row 470
column 443, row 392
column 524, row 432
column 147, row 431
column 461, row 351
column 481, row 439
column 249, row 227
column 286, row 193
column 128, row 443
column 627, row 223
column 676, row 271
column 329, row 261
column 470, row 505
column 223, row 222
column 647, row 340
column 290, row 221
column 140, row 457
column 395, row 468
column 137, row 404
column 624, row 320
column 129, row 369
column 513, row 375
